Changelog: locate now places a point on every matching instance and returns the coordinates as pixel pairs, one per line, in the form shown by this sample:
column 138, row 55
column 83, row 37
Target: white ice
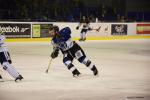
column 124, row 72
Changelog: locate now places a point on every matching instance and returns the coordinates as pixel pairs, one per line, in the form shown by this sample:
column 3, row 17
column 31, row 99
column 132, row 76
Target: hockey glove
column 77, row 27
column 54, row 54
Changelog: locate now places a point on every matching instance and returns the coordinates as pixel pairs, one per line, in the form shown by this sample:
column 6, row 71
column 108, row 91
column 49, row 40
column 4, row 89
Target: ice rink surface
column 124, row 72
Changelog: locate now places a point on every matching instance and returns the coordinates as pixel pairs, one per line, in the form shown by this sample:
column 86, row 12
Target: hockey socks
column 75, row 72
column 10, row 69
column 91, row 66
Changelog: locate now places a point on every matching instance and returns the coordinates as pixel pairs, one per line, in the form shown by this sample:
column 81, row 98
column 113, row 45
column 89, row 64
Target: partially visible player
column 5, row 59
column 62, row 41
column 85, row 23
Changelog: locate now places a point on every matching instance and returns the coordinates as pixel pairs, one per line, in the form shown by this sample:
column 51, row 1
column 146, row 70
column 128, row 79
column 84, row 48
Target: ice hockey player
column 61, row 40
column 85, row 28
column 5, row 59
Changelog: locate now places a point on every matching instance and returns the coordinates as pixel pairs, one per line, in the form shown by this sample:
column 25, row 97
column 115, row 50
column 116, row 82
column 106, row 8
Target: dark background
column 73, row 10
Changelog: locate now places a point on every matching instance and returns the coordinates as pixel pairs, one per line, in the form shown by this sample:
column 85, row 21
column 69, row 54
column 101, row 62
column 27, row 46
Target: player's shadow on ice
column 86, row 76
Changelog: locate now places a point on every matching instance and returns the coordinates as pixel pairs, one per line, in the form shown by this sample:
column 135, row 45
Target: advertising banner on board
column 143, row 28
column 16, row 30
column 41, row 30
column 119, row 29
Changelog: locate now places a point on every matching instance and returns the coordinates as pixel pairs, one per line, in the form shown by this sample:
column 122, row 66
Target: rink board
column 88, row 38
column 38, row 31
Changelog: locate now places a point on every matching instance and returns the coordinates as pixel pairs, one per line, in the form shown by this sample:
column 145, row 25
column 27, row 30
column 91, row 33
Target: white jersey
column 86, row 26
column 3, row 46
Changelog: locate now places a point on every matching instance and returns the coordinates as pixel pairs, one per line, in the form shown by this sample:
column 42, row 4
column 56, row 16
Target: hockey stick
column 48, row 66
column 97, row 29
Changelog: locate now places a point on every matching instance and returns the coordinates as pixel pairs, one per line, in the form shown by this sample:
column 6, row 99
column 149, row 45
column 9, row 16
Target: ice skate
column 95, row 71
column 1, row 79
column 76, row 73
column 19, row 78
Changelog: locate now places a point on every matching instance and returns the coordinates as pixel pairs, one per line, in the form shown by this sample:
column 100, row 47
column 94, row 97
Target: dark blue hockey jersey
column 63, row 35
column 63, row 39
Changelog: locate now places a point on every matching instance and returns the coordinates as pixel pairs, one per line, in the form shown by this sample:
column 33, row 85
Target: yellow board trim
column 88, row 38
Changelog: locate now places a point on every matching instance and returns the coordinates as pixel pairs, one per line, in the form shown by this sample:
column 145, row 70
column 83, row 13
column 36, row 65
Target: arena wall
column 38, row 31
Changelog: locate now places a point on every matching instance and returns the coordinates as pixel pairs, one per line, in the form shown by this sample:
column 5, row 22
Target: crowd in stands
column 56, row 10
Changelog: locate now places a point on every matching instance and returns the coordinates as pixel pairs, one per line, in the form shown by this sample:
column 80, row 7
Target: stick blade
column 46, row 71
